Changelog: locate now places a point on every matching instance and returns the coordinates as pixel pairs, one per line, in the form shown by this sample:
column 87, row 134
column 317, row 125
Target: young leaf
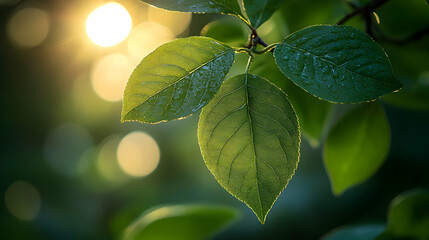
column 364, row 232
column 336, row 63
column 176, row 80
column 199, row 6
column 249, row 138
column 356, row 146
column 409, row 215
column 181, row 222
column 259, row 11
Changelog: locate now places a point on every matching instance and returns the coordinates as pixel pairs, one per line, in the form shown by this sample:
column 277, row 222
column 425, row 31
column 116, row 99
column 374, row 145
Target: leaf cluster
column 248, row 132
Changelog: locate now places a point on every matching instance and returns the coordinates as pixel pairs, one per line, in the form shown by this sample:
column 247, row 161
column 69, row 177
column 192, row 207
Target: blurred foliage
column 181, row 222
column 49, row 85
column 409, row 215
column 366, row 232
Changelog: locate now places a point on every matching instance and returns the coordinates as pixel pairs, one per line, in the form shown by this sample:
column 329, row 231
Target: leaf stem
column 268, row 48
column 249, row 62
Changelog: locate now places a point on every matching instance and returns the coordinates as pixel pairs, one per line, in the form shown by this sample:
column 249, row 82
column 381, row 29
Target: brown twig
column 371, row 6
column 401, row 41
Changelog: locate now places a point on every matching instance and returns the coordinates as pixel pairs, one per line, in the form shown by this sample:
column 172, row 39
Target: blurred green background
column 70, row 170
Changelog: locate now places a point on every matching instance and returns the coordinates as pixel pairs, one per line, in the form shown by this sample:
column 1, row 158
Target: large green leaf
column 199, row 6
column 356, row 146
column 176, row 80
column 182, row 222
column 409, row 215
column 259, row 11
column 336, row 63
column 249, row 138
column 364, row 232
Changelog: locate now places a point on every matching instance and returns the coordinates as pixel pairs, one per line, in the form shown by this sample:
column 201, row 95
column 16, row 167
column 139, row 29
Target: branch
column 255, row 39
column 400, row 41
column 367, row 8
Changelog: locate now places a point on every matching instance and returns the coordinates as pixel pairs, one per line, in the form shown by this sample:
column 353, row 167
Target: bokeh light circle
column 177, row 22
column 29, row 27
column 109, row 24
column 110, row 75
column 145, row 38
column 23, row 200
column 138, row 154
column 64, row 147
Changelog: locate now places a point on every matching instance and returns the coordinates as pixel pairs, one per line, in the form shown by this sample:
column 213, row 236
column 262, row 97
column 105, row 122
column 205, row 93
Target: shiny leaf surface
column 176, row 80
column 336, row 63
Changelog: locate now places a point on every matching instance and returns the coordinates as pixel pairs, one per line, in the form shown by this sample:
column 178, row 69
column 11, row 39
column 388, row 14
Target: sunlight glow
column 110, row 75
column 177, row 22
column 109, row 24
column 138, row 154
column 145, row 38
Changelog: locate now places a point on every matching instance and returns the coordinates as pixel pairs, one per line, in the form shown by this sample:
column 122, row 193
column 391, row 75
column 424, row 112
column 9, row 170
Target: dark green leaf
column 336, row 63
column 409, row 215
column 199, row 6
column 249, row 138
column 229, row 30
column 193, row 222
column 259, row 11
column 176, row 80
column 365, row 232
column 356, row 146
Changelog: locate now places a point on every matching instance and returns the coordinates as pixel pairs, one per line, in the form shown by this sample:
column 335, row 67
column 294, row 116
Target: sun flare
column 109, row 24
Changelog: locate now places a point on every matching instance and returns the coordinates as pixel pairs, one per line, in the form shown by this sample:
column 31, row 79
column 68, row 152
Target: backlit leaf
column 356, row 146
column 176, row 80
column 249, row 138
column 199, row 6
column 336, row 63
column 181, row 222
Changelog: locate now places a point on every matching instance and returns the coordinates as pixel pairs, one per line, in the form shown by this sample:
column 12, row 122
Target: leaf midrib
column 180, row 79
column 330, row 62
column 253, row 142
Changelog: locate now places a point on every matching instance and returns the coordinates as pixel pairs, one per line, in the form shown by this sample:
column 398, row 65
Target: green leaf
column 249, row 138
column 356, row 146
column 336, row 63
column 176, row 80
column 364, row 232
column 409, row 215
column 259, row 11
column 181, row 222
column 229, row 30
column 199, row 6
